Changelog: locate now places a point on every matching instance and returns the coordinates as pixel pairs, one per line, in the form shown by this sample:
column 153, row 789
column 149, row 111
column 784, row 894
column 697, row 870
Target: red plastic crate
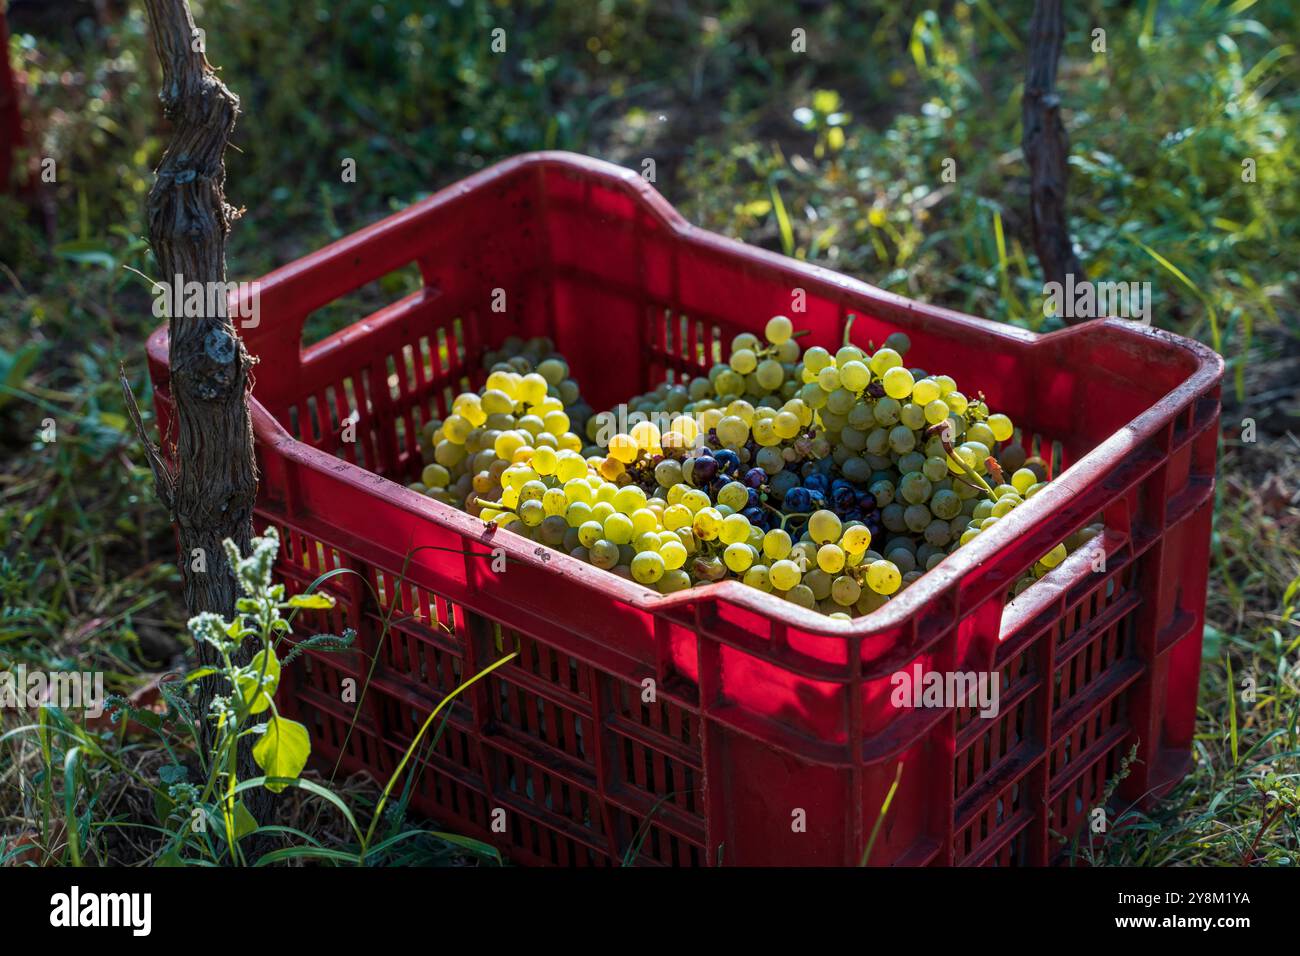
column 763, row 709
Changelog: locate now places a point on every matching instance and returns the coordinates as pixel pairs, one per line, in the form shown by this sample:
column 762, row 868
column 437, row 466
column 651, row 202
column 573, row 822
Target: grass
column 836, row 155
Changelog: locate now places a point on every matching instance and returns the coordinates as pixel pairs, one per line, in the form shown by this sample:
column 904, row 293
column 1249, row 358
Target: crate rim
column 1088, row 470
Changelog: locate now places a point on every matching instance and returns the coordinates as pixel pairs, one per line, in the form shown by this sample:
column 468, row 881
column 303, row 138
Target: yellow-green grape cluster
column 832, row 480
column 525, row 412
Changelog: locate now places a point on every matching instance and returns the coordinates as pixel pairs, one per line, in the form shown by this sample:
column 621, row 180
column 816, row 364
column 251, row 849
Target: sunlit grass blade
column 397, row 773
column 1210, row 311
column 880, row 820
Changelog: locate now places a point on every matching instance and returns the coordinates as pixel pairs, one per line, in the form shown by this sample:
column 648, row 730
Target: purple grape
column 704, row 471
column 798, row 499
column 755, row 477
column 727, row 460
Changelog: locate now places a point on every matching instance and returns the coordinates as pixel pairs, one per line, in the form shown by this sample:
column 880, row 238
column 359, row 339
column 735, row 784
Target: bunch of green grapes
column 527, row 408
column 832, row 480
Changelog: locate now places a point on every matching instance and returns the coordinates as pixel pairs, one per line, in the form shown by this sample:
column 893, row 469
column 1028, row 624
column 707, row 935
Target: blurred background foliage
column 834, row 155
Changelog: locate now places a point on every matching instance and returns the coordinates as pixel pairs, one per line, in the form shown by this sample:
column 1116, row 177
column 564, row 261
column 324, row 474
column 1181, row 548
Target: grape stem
column 797, row 514
column 848, row 326
column 944, row 431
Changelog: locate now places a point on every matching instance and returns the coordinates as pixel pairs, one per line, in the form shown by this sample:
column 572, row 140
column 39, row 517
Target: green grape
column 830, row 558
column 673, row 580
column 878, row 442
column 854, row 375
column 777, row 544
column 887, row 410
column 770, row 460
column 856, row 539
column 644, row 519
column 1004, row 506
column 912, row 416
column 552, row 531
column 916, row 518
column 618, row 528
column 532, row 491
column 732, row 431
column 738, row 557
column 668, row 473
column 926, row 391
column 853, row 439
column 816, row 359
column 436, row 476
column 897, row 383
column 899, row 342
column 845, row 591
column 578, row 514
column 1001, row 427
column 935, row 468
column 743, row 361
column 829, row 378
column 840, row 402
column 1054, row 557
column 647, row 541
column 883, row 360
column 709, row 568
column 648, row 567
column 1022, row 480
column 765, row 432
column 579, row 490
column 674, row 554
column 945, row 504
column 531, row 513
column 802, row 595
column 730, row 383
column 604, row 554
column 677, row 516
column 870, row 601
column 778, row 329
column 707, row 524
column 628, row 499
column 819, row 582
column 883, row 577
column 936, row 411
column 883, row 491
column 695, row 500
column 856, row 470
column 812, row 395
column 735, row 528
column 980, row 432
column 901, row 439
column 757, row 577
column 448, row 453
column 914, row 488
column 824, row 526
column 769, row 374
column 734, row 495
column 784, row 574
column 902, row 558
column 937, row 533
column 787, row 425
